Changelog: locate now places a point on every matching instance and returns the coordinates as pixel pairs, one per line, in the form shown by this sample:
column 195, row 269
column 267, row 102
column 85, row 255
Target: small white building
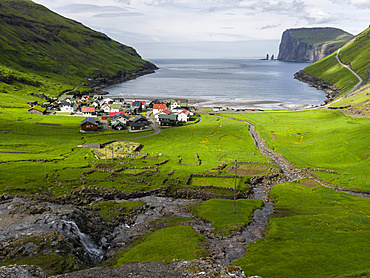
column 183, row 116
column 68, row 108
column 106, row 107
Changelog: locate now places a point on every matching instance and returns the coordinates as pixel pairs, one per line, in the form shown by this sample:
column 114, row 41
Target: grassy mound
column 167, row 244
column 221, row 213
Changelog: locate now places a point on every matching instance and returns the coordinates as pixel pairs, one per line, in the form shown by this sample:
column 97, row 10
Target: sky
column 210, row 28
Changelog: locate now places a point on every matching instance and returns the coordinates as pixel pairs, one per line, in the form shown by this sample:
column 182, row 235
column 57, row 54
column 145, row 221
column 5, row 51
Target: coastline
column 208, row 102
column 331, row 91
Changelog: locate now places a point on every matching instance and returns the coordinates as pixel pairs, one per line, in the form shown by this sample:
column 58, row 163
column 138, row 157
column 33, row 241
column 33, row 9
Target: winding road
column 357, row 86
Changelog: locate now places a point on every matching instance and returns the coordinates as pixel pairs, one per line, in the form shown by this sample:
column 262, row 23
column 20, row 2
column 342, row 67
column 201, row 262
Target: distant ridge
column 310, row 44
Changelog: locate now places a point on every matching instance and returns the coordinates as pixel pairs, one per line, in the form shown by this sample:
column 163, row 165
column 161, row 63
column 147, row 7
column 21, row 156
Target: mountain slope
column 310, row 44
column 39, row 42
column 355, row 54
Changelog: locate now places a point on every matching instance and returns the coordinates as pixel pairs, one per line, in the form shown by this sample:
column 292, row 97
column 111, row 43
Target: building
column 32, row 103
column 37, row 110
column 90, row 124
column 88, row 111
column 68, row 107
column 157, row 108
column 136, row 108
column 167, row 119
column 183, row 116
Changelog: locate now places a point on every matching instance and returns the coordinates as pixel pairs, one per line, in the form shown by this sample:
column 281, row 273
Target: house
column 167, row 119
column 116, row 107
column 108, row 100
column 165, row 111
column 136, row 108
column 119, row 123
column 157, row 108
column 216, row 109
column 88, row 111
column 106, row 107
column 179, row 103
column 119, row 100
column 32, row 103
column 117, row 115
column 69, row 98
column 97, row 97
column 151, row 104
column 90, row 124
column 183, row 116
column 37, row 110
column 137, row 125
column 140, row 119
column 68, row 107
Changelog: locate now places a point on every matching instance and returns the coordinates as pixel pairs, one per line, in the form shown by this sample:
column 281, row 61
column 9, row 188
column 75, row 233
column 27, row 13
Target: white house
column 68, row 108
column 157, row 108
column 183, row 116
column 106, row 107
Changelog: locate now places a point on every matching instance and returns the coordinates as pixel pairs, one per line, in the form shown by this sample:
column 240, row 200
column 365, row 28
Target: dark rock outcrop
column 331, row 91
column 310, row 44
column 21, row 271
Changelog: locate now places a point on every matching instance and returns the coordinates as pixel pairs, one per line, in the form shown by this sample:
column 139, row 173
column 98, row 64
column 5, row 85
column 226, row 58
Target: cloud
column 90, row 8
column 318, row 16
column 109, row 15
column 270, row 26
column 357, row 3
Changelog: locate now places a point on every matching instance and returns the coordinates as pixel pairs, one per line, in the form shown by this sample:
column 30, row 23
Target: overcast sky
column 210, row 28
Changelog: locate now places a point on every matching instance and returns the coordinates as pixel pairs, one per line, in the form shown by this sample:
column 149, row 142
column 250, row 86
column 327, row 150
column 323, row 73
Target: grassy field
column 46, row 157
column 166, row 244
column 221, row 213
column 315, row 232
column 319, row 139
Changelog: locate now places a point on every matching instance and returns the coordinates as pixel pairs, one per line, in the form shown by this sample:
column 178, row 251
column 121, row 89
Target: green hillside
column 42, row 51
column 355, row 54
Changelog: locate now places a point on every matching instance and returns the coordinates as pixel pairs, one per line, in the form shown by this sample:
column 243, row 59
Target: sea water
column 268, row 84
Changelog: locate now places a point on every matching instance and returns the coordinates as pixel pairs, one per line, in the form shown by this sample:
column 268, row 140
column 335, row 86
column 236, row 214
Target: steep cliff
column 310, row 44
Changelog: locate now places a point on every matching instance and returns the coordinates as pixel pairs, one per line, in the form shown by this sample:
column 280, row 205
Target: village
column 114, row 113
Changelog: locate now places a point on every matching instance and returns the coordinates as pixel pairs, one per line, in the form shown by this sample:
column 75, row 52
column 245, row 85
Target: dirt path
column 289, row 169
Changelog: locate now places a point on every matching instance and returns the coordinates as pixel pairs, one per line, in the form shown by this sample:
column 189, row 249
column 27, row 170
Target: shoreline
column 208, row 103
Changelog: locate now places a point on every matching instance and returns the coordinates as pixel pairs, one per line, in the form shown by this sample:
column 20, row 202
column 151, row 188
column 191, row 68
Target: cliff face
column 310, row 44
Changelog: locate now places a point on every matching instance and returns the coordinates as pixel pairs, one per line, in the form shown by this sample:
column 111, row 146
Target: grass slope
column 319, row 139
column 42, row 51
column 316, row 232
column 355, row 53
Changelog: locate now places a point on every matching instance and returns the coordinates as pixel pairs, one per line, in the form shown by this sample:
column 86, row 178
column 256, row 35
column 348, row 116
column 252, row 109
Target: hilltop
column 310, row 44
column 42, row 51
column 329, row 74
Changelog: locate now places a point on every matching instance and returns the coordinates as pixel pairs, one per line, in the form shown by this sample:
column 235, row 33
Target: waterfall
column 95, row 253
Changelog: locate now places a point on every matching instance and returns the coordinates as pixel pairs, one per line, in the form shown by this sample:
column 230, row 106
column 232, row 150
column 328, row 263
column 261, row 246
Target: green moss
column 52, row 264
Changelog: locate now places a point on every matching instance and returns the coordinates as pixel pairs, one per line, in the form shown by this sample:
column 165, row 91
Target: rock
column 22, row 271
column 310, row 44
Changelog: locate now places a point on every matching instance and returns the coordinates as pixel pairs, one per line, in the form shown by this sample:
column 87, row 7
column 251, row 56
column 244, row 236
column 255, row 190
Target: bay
column 237, row 83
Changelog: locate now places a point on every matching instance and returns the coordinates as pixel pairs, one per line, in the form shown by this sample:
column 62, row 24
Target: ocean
column 237, row 83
